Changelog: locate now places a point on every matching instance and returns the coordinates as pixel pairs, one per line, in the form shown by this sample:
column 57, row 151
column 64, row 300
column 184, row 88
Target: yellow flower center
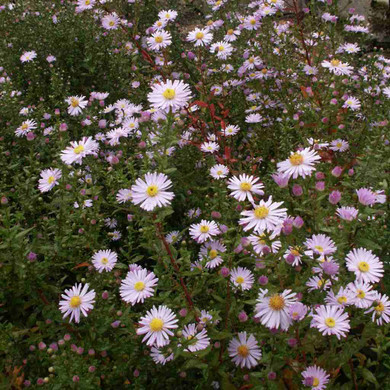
column 139, row 286
column 264, row 71
column 245, row 186
column 111, row 23
column 78, row 149
column 363, row 266
column 189, row 337
column 276, row 302
column 152, row 191
column 335, row 62
column 294, row 252
column 104, row 260
column 230, row 32
column 24, row 126
column 339, row 144
column 87, row 2
column 342, row 300
column 239, row 280
column 380, row 308
column 316, row 382
column 261, row 212
column 156, row 324
column 221, row 48
column 199, row 35
column 296, row 159
column 361, row 294
column 330, row 322
column 213, row 254
column 251, row 60
column 243, row 351
column 75, row 302
column 319, row 248
column 204, row 229
column 219, row 173
column 320, row 282
column 158, row 39
column 253, row 22
column 74, row 102
column 169, row 93
column 51, row 179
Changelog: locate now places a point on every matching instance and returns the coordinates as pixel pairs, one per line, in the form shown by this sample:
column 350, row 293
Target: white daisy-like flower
column 231, row 35
column 78, row 150
column 273, row 311
column 321, row 245
column 104, row 260
column 25, row 128
column 110, row 21
column 242, row 278
column 199, row 340
column 386, row 92
column 83, row 5
column 152, row 192
column 219, row 171
column 222, row 48
column 159, row 40
column 124, row 195
column 230, row 130
column 339, row 145
column 297, row 253
column 352, row 103
column 205, row 318
column 244, row 351
column 331, row 320
column 170, row 95
column 337, row 67
column 315, row 377
column 211, row 252
column 159, row 357
column 343, row 298
column 76, row 104
column 318, row 283
column 263, row 240
column 168, row 16
column 266, row 216
column 49, row 179
column 209, row 147
column 156, row 325
column 28, row 56
column 362, row 294
column 300, row 163
column 380, row 309
column 173, row 237
column 243, row 186
column 204, row 230
column 201, row 36
column 366, row 266
column 138, row 285
column 77, row 300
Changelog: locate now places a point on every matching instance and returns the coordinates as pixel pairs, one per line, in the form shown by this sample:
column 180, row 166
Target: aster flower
column 366, row 266
column 297, row 311
column 168, row 16
column 243, row 186
column 352, row 103
column 266, row 216
column 242, row 278
column 347, row 213
column 343, row 298
column 138, row 285
column 205, row 318
column 110, row 21
column 362, row 294
column 199, row 340
column 219, row 171
column 339, row 145
column 296, row 253
column 78, row 150
column 156, row 325
column 209, row 147
column 201, row 37
column 124, row 195
column 77, row 300
column 25, row 128
column 28, row 56
column 152, row 192
column 380, row 309
column 230, row 130
column 331, row 320
column 211, row 251
column 318, row 283
column 321, row 245
column 173, row 237
column 244, row 351
column 300, row 163
column 170, row 95
column 222, row 48
column 49, row 179
column 83, row 5
column 337, row 67
column 159, row 357
column 365, row 196
column 231, row 35
column 104, row 260
column 159, row 40
column 274, row 311
column 204, row 230
column 76, row 104
column 315, row 377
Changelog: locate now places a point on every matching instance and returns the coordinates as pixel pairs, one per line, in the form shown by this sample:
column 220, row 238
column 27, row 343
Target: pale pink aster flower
column 315, row 377
column 159, row 357
column 76, row 104
column 352, row 103
column 25, row 128
column 363, row 296
column 49, row 179
column 347, row 213
column 209, row 147
column 219, row 171
column 244, row 351
column 28, row 56
column 337, row 67
column 104, row 260
column 320, row 245
column 211, row 251
column 78, row 150
column 199, row 340
column 110, row 21
column 201, row 37
column 343, row 298
column 204, row 230
column 365, row 196
column 366, row 266
column 243, row 186
column 300, row 163
column 159, row 40
column 242, row 278
column 124, row 195
column 380, row 309
column 331, row 320
column 222, row 48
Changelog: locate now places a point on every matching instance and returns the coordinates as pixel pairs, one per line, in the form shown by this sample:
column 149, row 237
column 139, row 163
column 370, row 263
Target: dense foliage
column 192, row 196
